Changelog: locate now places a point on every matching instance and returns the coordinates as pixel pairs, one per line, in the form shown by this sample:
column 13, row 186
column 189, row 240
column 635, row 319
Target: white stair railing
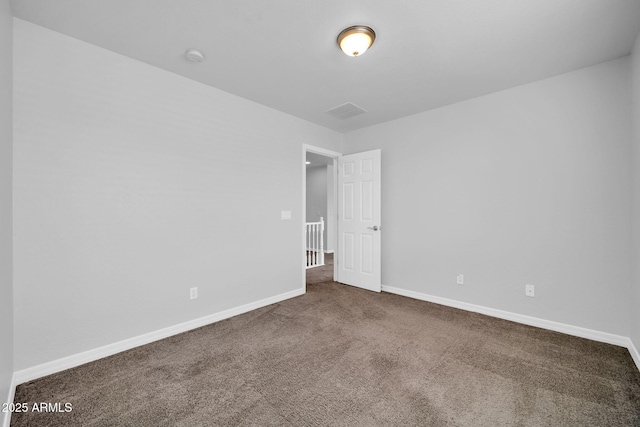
column 314, row 232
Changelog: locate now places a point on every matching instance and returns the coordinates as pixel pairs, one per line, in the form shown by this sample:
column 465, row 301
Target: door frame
column 306, row 148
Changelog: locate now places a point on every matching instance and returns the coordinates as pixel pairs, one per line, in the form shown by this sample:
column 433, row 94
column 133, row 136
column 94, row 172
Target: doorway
column 319, row 207
column 356, row 213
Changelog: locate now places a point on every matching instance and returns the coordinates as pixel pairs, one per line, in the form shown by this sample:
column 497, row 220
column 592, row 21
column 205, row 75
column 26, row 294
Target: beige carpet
column 323, row 273
column 344, row 356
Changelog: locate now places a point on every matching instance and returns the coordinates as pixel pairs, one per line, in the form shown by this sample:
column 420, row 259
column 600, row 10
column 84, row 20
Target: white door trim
column 306, row 148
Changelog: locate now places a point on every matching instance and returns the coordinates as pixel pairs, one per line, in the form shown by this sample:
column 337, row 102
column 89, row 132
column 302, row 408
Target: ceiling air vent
column 345, row 111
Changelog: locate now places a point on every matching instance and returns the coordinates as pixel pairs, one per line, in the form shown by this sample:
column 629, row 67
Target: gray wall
column 316, row 193
column 133, row 184
column 317, row 196
column 6, row 263
column 529, row 185
column 635, row 285
column 320, row 201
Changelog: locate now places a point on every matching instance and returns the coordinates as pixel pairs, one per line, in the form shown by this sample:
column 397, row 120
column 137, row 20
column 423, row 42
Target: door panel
column 348, row 201
column 349, row 254
column 359, row 220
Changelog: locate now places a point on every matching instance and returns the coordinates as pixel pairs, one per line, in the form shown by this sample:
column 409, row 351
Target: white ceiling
column 283, row 53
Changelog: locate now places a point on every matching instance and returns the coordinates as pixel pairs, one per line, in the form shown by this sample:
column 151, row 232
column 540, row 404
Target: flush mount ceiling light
column 354, row 41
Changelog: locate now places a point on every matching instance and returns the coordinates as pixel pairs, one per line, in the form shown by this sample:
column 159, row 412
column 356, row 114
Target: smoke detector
column 193, row 55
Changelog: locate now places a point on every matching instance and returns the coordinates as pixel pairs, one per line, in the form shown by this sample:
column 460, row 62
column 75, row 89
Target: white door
column 359, row 220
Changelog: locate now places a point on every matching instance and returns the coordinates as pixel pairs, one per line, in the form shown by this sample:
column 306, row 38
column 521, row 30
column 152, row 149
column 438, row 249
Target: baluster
column 309, row 247
column 317, row 244
column 313, row 254
column 307, row 235
column 321, row 241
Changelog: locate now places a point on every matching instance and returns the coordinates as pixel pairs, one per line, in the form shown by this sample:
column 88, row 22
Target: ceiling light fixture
column 354, row 41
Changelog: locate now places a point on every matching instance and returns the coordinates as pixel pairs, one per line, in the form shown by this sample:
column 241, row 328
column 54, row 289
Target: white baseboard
column 52, row 367
column 519, row 318
column 634, row 353
column 6, row 419
column 309, row 267
column 49, row 368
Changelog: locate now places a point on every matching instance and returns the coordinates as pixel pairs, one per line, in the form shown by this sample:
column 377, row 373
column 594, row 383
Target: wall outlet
column 460, row 279
column 193, row 293
column 529, row 290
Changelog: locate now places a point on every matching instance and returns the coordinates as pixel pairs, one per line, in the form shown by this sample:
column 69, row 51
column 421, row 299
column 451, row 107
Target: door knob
column 374, row 228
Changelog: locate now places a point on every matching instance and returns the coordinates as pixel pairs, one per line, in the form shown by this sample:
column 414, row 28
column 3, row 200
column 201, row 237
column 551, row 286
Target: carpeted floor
column 343, row 356
column 323, row 273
